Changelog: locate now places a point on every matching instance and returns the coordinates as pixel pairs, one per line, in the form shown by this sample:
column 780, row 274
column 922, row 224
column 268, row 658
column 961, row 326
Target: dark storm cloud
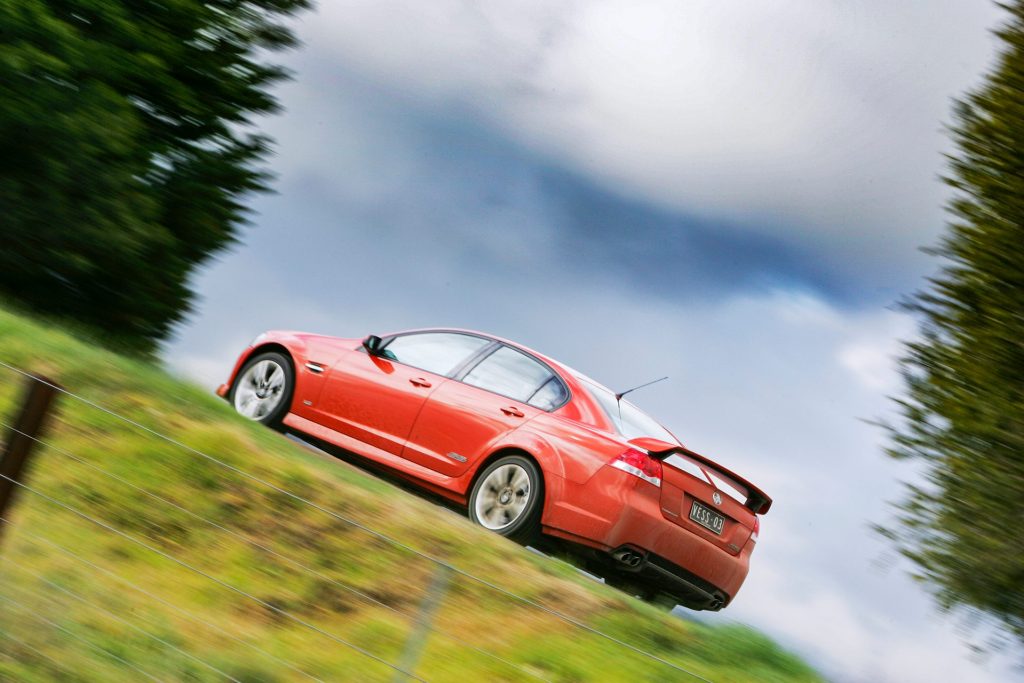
column 674, row 255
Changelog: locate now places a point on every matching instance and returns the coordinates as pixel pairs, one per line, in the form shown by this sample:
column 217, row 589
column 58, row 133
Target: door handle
column 419, row 382
column 513, row 411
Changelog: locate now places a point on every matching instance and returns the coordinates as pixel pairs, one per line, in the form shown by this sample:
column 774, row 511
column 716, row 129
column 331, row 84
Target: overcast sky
column 732, row 194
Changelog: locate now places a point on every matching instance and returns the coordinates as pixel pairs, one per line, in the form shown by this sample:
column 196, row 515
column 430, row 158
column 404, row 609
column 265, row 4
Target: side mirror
column 372, row 344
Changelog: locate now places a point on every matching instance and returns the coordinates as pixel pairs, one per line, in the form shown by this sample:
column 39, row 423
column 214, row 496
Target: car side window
column 629, row 420
column 551, row 395
column 509, row 373
column 436, row 352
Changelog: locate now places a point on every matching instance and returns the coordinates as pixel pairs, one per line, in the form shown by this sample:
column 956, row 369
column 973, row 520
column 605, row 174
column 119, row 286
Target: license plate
column 707, row 518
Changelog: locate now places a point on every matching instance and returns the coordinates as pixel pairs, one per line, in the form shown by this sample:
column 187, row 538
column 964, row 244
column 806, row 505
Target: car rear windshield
column 629, row 420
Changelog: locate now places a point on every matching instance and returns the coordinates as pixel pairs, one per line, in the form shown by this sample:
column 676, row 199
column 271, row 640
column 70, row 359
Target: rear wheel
column 506, row 498
column 263, row 389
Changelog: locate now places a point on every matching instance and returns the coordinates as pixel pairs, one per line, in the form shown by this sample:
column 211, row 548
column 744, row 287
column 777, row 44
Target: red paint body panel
column 373, row 399
column 462, row 420
column 438, row 431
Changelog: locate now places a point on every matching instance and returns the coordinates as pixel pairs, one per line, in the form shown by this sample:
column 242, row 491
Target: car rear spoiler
column 757, row 500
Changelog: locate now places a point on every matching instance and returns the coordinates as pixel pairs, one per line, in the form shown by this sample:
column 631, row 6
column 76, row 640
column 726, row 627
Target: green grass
column 104, row 608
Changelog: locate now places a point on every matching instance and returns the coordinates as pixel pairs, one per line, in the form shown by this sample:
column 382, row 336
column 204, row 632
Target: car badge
column 717, row 498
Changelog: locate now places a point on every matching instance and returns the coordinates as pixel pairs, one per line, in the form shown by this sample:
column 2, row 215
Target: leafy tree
column 962, row 415
column 126, row 149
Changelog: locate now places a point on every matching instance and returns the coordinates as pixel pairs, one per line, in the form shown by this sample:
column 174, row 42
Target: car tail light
column 639, row 464
column 757, row 529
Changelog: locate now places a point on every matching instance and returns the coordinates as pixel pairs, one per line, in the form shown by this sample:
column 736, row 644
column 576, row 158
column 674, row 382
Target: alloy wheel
column 504, row 495
column 260, row 389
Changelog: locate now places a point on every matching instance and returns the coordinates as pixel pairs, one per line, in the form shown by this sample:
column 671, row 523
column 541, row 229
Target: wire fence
column 132, row 543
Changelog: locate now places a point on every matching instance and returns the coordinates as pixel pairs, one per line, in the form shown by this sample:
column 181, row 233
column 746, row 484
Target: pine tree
column 962, row 415
column 127, row 150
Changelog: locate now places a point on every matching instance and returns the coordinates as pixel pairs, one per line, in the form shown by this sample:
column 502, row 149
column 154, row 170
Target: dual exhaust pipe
column 628, row 558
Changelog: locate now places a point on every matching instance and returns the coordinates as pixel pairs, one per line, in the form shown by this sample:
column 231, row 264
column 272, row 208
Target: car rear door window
column 509, row 373
column 436, row 352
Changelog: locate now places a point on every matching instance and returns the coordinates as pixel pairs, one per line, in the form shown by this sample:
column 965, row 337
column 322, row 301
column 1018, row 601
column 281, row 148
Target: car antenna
column 619, row 395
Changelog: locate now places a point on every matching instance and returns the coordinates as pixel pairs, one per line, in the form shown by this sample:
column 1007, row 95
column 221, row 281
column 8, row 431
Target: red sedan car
column 529, row 445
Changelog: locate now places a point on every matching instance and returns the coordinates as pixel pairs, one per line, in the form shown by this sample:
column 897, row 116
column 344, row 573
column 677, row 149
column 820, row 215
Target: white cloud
column 853, row 640
column 872, row 355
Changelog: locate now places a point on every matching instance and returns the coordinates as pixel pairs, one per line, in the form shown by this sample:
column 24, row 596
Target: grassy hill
column 242, row 581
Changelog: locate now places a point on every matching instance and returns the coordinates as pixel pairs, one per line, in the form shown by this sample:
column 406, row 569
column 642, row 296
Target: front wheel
column 263, row 388
column 507, row 497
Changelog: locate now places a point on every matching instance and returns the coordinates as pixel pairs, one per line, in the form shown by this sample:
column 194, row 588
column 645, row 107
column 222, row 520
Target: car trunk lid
column 704, row 497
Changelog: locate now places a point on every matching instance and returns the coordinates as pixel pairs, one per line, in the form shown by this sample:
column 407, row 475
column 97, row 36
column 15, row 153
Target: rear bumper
column 655, row 575
column 615, row 511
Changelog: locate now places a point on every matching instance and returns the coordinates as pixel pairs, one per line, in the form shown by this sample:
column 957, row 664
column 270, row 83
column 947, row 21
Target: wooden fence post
column 21, row 440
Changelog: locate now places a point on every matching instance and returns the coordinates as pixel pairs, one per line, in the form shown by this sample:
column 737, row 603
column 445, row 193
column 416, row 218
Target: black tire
column 522, row 525
column 264, row 403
